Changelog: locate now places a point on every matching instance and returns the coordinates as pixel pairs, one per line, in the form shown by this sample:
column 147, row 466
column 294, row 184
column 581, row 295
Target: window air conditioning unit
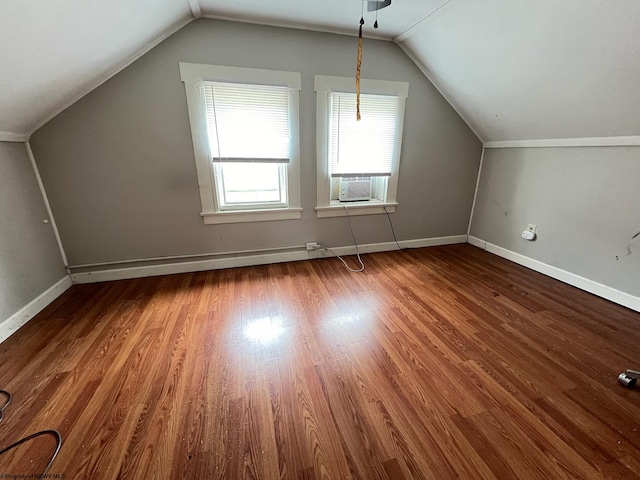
column 353, row 189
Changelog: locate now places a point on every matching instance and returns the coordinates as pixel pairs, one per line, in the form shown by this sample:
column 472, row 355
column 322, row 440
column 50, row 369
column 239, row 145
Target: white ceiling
column 53, row 52
column 514, row 69
column 340, row 16
column 522, row 69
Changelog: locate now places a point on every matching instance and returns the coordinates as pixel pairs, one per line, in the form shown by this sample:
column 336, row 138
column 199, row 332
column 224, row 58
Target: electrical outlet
column 531, row 228
column 312, row 245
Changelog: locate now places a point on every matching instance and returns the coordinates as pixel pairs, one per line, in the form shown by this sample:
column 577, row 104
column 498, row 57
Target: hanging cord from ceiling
column 377, row 5
column 53, row 433
column 356, row 244
column 359, row 64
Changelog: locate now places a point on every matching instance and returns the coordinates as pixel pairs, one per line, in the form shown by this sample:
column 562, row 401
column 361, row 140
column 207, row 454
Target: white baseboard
column 21, row 317
column 104, row 275
column 616, row 296
column 476, row 242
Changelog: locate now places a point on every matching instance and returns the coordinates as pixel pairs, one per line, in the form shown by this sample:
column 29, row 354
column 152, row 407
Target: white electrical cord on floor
column 356, row 244
column 345, row 263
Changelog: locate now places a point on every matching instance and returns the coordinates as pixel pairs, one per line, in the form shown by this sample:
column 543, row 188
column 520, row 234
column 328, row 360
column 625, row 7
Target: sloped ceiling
column 521, row 70
column 513, row 69
column 53, row 52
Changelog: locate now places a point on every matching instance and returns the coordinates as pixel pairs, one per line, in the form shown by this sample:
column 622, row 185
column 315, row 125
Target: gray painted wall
column 30, row 261
column 120, row 172
column 585, row 202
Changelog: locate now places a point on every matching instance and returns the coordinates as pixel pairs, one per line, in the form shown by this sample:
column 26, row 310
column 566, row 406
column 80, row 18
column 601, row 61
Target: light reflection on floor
column 343, row 319
column 348, row 314
column 265, row 331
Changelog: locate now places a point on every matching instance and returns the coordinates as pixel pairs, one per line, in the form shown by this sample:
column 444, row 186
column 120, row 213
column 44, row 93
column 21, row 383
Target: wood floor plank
column 433, row 363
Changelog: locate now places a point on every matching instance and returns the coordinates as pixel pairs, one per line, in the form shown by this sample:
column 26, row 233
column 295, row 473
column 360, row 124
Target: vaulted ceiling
column 513, row 69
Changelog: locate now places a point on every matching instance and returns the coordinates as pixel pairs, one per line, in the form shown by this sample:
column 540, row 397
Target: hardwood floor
column 436, row 363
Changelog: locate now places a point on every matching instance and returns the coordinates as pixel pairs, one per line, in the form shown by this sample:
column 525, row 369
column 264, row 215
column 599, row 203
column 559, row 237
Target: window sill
column 371, row 207
column 241, row 216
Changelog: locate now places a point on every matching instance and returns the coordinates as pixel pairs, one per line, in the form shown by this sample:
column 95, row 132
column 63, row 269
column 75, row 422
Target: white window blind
column 247, row 123
column 365, row 147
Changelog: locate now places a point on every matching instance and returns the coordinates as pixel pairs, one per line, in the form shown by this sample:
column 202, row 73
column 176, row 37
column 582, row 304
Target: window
column 350, row 149
column 244, row 125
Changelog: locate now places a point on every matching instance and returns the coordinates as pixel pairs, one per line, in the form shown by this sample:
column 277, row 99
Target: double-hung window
column 244, row 125
column 358, row 152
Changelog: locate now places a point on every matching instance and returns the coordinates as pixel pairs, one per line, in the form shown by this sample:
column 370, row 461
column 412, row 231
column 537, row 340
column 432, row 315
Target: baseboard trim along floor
column 26, row 313
column 611, row 294
column 230, row 259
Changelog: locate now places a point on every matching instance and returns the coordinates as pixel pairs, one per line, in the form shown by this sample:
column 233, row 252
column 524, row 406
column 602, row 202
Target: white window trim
column 324, row 85
column 372, row 207
column 262, row 215
column 193, row 74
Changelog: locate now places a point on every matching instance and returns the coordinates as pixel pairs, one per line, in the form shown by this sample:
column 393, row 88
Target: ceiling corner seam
column 407, row 33
column 196, row 10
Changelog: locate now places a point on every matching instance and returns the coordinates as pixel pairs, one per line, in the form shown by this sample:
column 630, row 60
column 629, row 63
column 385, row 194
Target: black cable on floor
column 392, row 229
column 41, row 433
column 54, row 433
column 6, row 404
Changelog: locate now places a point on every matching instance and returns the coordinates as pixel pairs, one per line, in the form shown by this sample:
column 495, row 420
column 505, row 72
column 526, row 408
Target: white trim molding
column 336, row 209
column 193, row 75
column 599, row 289
column 196, row 11
column 26, row 313
column 241, row 216
column 632, row 141
column 475, row 195
column 308, row 27
column 199, row 72
column 324, row 86
column 13, row 137
column 245, row 259
column 476, row 242
column 45, row 198
column 409, row 31
column 328, row 83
